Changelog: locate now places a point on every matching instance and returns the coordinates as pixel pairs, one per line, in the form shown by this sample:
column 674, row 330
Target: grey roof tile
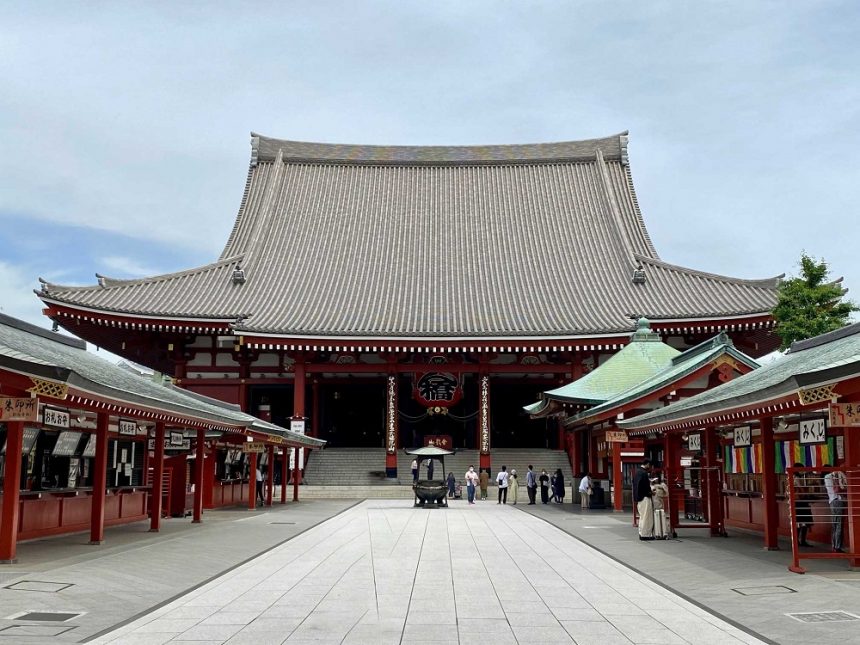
column 31, row 350
column 483, row 241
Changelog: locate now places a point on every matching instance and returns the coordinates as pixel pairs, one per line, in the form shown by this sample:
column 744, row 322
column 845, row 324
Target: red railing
column 808, row 499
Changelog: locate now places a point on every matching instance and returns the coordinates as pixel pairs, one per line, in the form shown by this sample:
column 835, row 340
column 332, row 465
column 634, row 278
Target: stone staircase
column 358, row 473
column 345, row 467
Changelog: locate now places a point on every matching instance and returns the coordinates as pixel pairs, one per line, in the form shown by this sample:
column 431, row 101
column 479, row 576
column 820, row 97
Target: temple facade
column 393, row 296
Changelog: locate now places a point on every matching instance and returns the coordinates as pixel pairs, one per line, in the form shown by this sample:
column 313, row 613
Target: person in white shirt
column 471, row 484
column 259, row 479
column 836, row 486
column 584, row 491
column 414, row 470
column 502, row 481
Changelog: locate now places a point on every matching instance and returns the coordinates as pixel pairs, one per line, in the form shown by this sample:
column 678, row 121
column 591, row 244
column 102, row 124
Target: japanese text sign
column 18, row 409
column 812, row 431
column 844, row 414
column 743, row 437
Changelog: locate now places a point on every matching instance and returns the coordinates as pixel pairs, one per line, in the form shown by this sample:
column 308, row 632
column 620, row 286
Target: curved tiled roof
column 395, row 241
column 30, row 350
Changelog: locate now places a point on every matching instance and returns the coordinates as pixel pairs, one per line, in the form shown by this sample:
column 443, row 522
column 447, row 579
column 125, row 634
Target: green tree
column 810, row 304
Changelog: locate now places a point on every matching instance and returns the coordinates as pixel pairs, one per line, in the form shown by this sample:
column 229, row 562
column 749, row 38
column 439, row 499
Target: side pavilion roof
column 819, row 361
column 643, row 357
column 357, row 242
column 32, row 351
column 682, row 366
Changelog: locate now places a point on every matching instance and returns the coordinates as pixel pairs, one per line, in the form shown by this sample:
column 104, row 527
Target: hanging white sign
column 812, row 431
column 743, row 437
column 694, row 442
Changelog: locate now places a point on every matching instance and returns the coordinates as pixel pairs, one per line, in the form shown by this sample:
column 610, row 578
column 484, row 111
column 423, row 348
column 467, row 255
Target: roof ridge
column 823, row 339
column 105, row 282
column 758, row 282
column 615, row 210
column 30, row 328
column 265, row 148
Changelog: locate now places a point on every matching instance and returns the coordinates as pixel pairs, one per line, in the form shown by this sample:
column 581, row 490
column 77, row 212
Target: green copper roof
column 820, row 360
column 644, row 356
column 679, row 367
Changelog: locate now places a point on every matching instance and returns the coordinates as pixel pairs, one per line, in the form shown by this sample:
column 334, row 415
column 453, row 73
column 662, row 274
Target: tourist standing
column 544, row 487
column 259, row 482
column 659, row 495
column 430, row 468
column 802, row 509
column 642, row 498
column 585, row 491
column 452, row 482
column 559, row 486
column 502, row 482
column 513, row 485
column 484, row 480
column 531, row 484
column 414, row 470
column 836, row 485
column 471, row 483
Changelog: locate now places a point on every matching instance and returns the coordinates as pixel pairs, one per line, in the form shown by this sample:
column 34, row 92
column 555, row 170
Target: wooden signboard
column 844, row 414
column 18, row 409
column 742, row 437
column 616, row 436
column 254, row 446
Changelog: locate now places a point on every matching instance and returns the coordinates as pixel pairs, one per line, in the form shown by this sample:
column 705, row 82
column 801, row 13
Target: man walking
column 836, row 485
column 642, row 497
column 531, row 484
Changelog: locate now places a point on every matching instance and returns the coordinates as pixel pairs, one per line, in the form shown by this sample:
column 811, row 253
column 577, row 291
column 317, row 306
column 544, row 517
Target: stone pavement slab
column 135, row 571
column 383, row 572
column 733, row 577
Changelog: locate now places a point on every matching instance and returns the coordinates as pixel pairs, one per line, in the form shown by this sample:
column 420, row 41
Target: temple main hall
column 394, row 296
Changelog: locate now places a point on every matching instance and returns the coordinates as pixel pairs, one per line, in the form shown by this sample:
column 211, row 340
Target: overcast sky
column 124, row 127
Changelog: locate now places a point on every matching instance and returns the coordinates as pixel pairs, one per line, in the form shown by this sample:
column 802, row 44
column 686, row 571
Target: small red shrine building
column 88, row 444
column 801, row 409
column 394, row 292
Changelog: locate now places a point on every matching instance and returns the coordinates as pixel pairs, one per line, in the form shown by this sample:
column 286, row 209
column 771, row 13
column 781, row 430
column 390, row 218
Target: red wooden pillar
column 97, row 515
column 391, row 427
column 769, row 488
column 296, row 474
column 851, row 462
column 270, row 476
column 11, row 492
column 484, row 421
column 198, row 476
column 252, row 481
column 298, row 413
column 617, row 477
column 711, row 489
column 157, row 476
column 285, row 473
column 672, row 474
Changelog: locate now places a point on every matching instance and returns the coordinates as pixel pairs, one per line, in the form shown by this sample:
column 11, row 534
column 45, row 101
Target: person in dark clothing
column 452, row 483
column 429, row 469
column 544, row 487
column 802, row 509
column 559, row 486
column 642, row 498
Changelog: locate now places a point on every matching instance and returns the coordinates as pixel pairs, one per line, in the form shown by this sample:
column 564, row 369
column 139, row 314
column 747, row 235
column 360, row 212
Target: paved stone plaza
column 383, row 572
